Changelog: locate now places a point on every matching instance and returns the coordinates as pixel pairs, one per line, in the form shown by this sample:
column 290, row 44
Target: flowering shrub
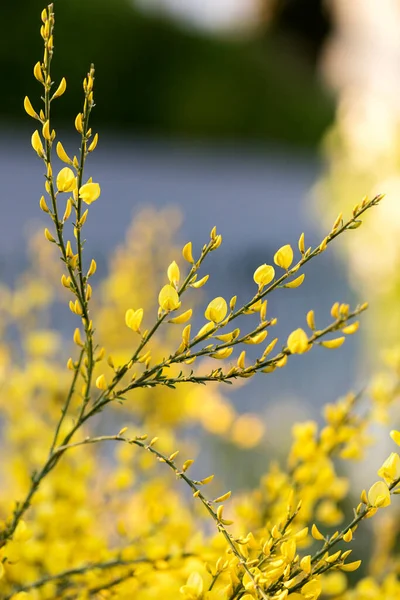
column 84, row 526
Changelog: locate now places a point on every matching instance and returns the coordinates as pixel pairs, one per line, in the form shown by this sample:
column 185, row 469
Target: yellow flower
column 66, row 181
column 168, row 298
column 194, row 587
column 379, row 495
column 37, row 144
column 182, row 318
column 133, row 318
column 332, row 344
column 297, row 342
column 89, row 192
column 284, row 257
column 187, row 252
column 296, row 282
column 216, row 310
column 101, row 382
column 173, row 273
column 390, row 470
column 264, row 275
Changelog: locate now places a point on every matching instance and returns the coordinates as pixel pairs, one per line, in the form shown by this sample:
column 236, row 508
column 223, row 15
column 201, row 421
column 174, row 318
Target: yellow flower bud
column 187, row 464
column 348, row 536
column 223, row 497
column 301, row 244
column 297, row 342
column 66, row 181
column 201, row 282
column 257, row 338
column 43, row 205
column 60, row 90
column 29, row 108
column 79, row 123
column 305, row 564
column 241, row 360
column 83, row 218
column 182, row 318
column 101, row 382
column 37, row 144
column 350, row 566
column 332, row 344
column 62, row 155
column 315, row 532
column 92, row 268
column 77, row 337
column 349, row 329
column 168, row 298
column 37, row 71
column 311, row 319
column 205, row 329
column 89, row 192
column 94, row 143
column 264, row 275
column 395, row 435
column 68, row 209
column 223, row 353
column 48, row 235
column 284, row 257
column 46, row 131
column 216, row 310
column 187, row 252
column 173, row 274
column 296, row 282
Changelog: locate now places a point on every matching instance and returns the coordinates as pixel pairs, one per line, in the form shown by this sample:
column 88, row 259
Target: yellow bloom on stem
column 216, row 310
column 173, row 273
column 264, row 275
column 66, row 181
column 168, row 298
column 284, row 257
column 89, row 192
column 332, row 344
column 379, row 495
column 133, row 318
column 297, row 341
column 390, row 470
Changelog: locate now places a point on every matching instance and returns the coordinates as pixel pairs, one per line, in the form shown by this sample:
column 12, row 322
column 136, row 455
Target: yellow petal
column 66, row 181
column 379, row 495
column 60, row 90
column 101, row 382
column 62, row 155
column 349, row 329
column 216, row 310
column 264, row 275
column 284, row 257
column 89, row 192
column 173, row 273
column 297, row 342
column 332, row 344
column 168, row 298
column 29, row 108
column 187, row 252
column 296, row 282
column 182, row 318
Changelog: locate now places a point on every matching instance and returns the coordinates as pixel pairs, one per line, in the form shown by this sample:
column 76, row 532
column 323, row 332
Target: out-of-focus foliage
column 159, row 79
column 78, row 521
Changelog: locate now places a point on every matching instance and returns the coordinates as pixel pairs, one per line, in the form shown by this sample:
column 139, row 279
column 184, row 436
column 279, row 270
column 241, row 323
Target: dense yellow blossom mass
column 85, row 514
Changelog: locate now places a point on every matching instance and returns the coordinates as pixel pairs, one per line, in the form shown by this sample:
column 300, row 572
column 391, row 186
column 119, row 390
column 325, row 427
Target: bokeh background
column 262, row 117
